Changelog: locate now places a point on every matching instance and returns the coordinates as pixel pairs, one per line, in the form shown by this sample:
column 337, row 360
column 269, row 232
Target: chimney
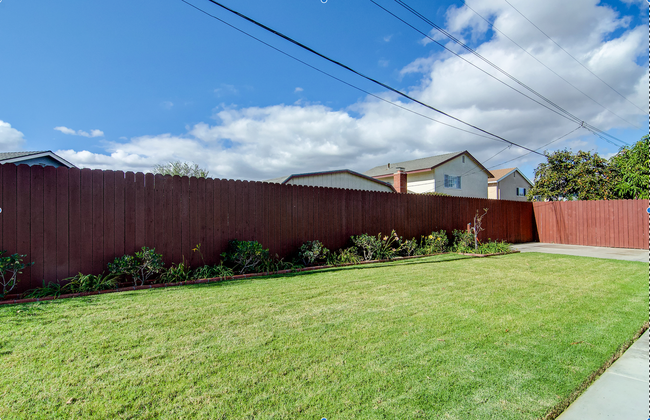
column 399, row 180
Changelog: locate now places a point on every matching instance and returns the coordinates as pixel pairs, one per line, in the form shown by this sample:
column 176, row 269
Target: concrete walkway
column 621, row 392
column 586, row 251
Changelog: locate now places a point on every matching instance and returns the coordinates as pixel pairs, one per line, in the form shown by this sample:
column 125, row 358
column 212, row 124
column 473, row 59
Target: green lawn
column 442, row 337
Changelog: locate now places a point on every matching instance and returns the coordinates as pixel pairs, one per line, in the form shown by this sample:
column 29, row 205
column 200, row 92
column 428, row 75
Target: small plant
column 476, row 229
column 245, row 256
column 409, row 247
column 312, row 253
column 344, row 256
column 435, row 243
column 140, row 268
column 463, row 241
column 177, row 273
column 51, row 289
column 377, row 248
column 212, row 271
column 494, row 247
column 89, row 283
column 10, row 267
column 270, row 265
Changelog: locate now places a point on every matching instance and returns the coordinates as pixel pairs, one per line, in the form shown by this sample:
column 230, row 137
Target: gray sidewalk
column 621, row 392
column 585, row 251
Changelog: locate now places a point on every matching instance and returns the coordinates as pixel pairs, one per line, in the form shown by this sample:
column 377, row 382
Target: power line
column 385, row 86
column 547, row 67
column 338, row 79
column 471, row 50
column 569, row 54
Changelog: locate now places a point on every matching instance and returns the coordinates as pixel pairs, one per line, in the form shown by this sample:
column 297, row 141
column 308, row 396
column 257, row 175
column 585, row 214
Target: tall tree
column 572, row 176
column 181, row 169
column 632, row 168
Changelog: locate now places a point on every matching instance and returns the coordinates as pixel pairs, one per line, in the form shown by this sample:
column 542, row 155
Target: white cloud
column 298, row 90
column 167, row 105
column 93, row 133
column 387, row 38
column 265, row 142
column 11, row 140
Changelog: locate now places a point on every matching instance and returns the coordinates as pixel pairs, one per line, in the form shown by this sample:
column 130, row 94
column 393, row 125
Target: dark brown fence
column 616, row 223
column 70, row 220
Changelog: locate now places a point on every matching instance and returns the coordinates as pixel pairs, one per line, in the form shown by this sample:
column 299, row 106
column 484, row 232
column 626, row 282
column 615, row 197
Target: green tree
column 572, row 176
column 632, row 168
column 181, row 169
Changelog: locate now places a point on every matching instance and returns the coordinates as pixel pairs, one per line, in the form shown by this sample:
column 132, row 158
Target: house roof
column 285, row 179
column 500, row 174
column 420, row 164
column 17, row 157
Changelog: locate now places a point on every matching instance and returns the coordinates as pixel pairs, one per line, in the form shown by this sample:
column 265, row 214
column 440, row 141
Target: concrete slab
column 621, row 393
column 585, row 251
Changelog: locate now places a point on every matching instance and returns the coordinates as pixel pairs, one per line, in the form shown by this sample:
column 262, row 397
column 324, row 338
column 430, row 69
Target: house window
column 463, row 159
column 452, row 182
column 521, row 192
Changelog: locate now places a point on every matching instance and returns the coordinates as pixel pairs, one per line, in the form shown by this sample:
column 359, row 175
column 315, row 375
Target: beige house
column 456, row 174
column 508, row 184
column 343, row 178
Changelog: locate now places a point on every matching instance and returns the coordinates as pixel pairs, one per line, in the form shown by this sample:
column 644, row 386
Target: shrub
column 270, row 265
column 409, row 247
column 463, row 241
column 312, row 253
column 10, row 267
column 377, row 248
column 140, row 267
column 344, row 256
column 435, row 243
column 177, row 273
column 89, row 283
column 245, row 256
column 51, row 289
column 494, row 247
column 213, row 271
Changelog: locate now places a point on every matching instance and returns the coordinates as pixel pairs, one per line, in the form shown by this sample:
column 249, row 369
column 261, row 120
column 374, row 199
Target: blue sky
column 127, row 85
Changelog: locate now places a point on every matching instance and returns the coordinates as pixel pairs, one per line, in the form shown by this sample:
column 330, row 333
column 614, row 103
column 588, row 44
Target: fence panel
column 71, row 220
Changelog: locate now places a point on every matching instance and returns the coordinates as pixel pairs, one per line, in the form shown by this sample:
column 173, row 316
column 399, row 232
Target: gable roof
column 500, row 174
column 421, row 164
column 17, row 157
column 285, row 179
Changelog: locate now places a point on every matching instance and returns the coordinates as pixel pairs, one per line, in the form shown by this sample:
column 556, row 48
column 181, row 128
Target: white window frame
column 452, row 182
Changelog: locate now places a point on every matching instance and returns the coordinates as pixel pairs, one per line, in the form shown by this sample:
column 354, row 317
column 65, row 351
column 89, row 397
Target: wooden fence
column 615, row 223
column 70, row 220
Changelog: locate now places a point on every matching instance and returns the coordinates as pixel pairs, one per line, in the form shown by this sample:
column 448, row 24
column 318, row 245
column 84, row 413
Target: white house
column 456, row 174
column 343, row 178
column 508, row 184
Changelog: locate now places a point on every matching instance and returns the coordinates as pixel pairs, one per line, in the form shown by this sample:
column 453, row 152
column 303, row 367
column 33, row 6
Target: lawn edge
column 563, row 405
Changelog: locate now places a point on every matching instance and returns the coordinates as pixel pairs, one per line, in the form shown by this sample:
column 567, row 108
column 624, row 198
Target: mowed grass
column 443, row 337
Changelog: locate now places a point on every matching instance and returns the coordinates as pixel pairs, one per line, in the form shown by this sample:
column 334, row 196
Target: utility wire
column 569, row 54
column 469, row 49
column 472, row 64
column 547, row 67
column 385, row 86
column 338, row 79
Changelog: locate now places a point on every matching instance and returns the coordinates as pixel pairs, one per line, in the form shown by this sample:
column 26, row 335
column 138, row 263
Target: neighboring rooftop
column 418, row 164
column 22, row 157
column 499, row 174
column 287, row 178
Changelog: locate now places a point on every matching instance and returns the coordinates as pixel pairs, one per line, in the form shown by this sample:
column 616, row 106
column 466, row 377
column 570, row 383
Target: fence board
column 109, row 216
column 74, row 235
column 119, row 213
column 139, row 211
column 62, row 227
column 23, row 220
column 129, row 213
column 36, row 249
column 49, row 223
column 86, row 220
column 9, row 194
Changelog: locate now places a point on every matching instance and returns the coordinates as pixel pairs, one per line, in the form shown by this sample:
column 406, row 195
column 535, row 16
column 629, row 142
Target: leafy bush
column 10, row 267
column 177, row 273
column 409, row 247
column 377, row 248
column 463, row 241
column 275, row 264
column 245, row 256
column 51, row 289
column 89, row 283
column 344, row 256
column 312, row 253
column 140, row 267
column 435, row 243
column 494, row 247
column 212, row 271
